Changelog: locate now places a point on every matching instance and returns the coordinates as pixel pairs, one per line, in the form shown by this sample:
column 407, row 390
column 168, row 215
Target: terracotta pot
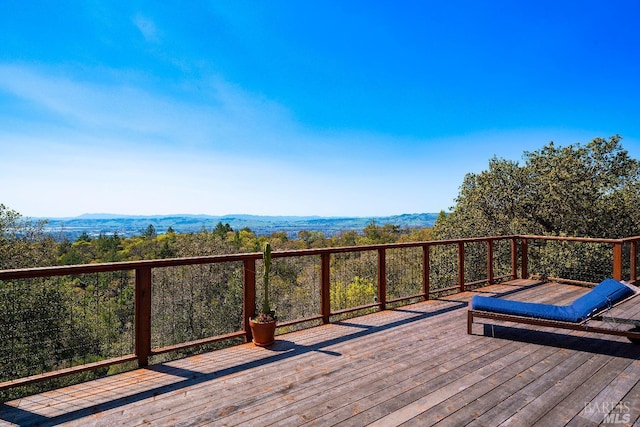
column 263, row 333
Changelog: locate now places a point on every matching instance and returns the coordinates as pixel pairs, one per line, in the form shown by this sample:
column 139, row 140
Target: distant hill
column 130, row 225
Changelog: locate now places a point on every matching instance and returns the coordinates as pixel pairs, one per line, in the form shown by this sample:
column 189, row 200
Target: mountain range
column 130, row 225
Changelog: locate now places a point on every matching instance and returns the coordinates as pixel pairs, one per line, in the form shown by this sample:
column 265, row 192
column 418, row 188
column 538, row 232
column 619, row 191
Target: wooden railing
column 444, row 267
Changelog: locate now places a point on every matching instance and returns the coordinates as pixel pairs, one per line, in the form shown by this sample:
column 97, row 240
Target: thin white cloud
column 228, row 117
column 125, row 148
column 225, row 118
column 147, row 28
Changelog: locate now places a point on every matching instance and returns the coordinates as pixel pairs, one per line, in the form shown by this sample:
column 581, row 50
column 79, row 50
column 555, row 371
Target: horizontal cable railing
column 582, row 261
column 73, row 319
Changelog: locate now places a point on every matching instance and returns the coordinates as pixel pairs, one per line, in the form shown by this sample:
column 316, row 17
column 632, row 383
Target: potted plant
column 263, row 325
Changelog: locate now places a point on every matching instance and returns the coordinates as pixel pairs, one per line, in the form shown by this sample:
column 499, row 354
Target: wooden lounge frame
column 633, row 334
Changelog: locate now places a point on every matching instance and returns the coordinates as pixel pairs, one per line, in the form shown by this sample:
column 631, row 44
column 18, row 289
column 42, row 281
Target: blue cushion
column 607, row 293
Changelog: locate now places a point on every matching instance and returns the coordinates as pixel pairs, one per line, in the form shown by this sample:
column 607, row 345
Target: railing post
column 525, row 258
column 633, row 263
column 617, row 261
column 143, row 315
column 325, row 287
column 382, row 278
column 514, row 258
column 425, row 272
column 249, row 297
column 461, row 266
column 490, row 262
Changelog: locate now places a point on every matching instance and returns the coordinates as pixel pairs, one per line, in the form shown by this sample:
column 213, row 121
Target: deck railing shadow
column 280, row 351
column 401, row 273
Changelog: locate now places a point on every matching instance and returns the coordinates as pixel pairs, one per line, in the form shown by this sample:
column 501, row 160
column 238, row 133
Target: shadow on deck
column 414, row 365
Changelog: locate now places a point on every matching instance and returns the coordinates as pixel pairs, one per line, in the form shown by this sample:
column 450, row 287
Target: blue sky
column 332, row 108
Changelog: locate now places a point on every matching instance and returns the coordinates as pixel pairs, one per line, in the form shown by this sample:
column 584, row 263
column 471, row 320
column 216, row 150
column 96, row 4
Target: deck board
column 411, row 366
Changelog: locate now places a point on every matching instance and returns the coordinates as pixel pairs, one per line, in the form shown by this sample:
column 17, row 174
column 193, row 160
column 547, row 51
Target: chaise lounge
column 591, row 306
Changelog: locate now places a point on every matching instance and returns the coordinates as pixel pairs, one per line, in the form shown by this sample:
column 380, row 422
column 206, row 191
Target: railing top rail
column 574, row 239
column 67, row 270
column 27, row 273
column 360, row 248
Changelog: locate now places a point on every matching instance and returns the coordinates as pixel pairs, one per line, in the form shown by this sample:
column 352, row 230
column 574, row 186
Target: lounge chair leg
column 469, row 322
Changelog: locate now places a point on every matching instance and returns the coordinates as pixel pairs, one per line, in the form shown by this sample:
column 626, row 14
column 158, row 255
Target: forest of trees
column 587, row 190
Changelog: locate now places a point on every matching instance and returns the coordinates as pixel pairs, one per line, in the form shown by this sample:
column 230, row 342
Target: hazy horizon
column 112, row 215
column 298, row 108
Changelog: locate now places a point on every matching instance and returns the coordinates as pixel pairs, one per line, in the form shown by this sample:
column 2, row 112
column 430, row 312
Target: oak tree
column 590, row 190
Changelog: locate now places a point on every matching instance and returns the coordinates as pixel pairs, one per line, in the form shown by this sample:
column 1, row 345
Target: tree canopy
column 23, row 242
column 587, row 190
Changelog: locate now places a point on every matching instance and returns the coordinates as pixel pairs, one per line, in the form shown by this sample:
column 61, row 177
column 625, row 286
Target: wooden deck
column 412, row 366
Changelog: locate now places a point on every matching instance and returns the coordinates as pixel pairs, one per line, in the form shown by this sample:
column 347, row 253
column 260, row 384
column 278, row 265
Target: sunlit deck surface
column 414, row 365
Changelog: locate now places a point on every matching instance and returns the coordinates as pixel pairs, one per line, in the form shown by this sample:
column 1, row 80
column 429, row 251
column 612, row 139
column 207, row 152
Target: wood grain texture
column 411, row 366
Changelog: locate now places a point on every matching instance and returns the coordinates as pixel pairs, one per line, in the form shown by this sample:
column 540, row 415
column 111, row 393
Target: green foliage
column 386, row 234
column 358, row 292
column 38, row 328
column 589, row 191
column 551, row 259
column 149, row 232
column 84, row 237
column 222, row 230
column 196, row 301
column 23, row 242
